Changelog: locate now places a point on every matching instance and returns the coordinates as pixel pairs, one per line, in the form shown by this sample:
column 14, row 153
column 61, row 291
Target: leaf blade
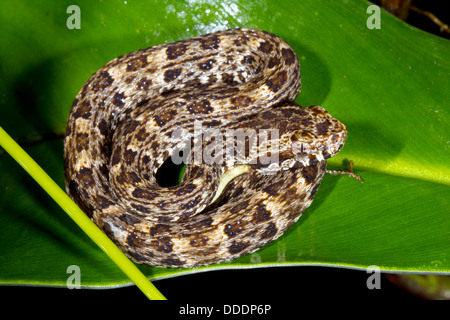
column 389, row 87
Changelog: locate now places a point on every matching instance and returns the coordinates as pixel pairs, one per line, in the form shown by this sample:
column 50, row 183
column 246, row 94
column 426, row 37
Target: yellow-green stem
column 77, row 215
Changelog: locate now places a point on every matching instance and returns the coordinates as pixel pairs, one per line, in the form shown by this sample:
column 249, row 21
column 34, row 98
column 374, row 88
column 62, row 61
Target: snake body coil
column 121, row 128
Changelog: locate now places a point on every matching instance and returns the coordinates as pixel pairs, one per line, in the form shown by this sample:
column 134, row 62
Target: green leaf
column 388, row 85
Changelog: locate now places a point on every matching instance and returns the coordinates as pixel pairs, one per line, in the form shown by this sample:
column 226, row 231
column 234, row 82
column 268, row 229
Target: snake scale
column 121, row 128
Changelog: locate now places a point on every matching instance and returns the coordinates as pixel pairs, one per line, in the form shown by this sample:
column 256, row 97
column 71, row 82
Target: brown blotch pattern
column 237, row 247
column 309, row 173
column 241, row 41
column 142, row 194
column 185, row 190
column 85, row 176
column 248, row 60
column 207, row 65
column 136, row 63
column 241, row 101
column 270, row 231
column 140, row 208
column 210, row 43
column 104, row 80
column 159, row 229
column 130, row 126
column 118, row 99
column 288, row 55
column 129, row 219
column 265, row 47
column 191, row 203
column 141, row 135
column 129, row 156
column 275, row 83
column 198, row 241
column 103, row 202
column 199, row 107
column 172, row 74
column 274, row 188
column 176, row 50
column 173, row 261
column 162, row 118
column 144, row 84
column 322, row 128
column 163, row 244
column 103, row 127
column 274, row 61
column 229, row 79
column 83, row 110
column 232, row 230
column 261, row 214
column 82, row 141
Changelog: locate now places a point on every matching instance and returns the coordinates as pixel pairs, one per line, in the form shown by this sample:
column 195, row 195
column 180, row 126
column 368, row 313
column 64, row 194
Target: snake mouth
column 309, row 151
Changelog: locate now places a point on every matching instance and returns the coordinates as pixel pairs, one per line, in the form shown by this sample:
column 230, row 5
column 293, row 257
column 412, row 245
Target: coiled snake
column 121, row 130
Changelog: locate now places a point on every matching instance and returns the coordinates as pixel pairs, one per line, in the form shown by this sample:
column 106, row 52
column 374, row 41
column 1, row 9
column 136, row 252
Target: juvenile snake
column 121, row 128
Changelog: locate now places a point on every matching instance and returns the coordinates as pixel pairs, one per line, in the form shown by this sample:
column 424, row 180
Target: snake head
column 311, row 136
column 319, row 137
column 306, row 136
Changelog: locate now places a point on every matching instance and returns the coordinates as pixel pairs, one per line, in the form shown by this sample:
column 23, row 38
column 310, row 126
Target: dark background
column 260, row 285
column 437, row 7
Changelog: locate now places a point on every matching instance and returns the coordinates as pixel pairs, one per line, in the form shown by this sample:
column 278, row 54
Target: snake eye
column 300, row 148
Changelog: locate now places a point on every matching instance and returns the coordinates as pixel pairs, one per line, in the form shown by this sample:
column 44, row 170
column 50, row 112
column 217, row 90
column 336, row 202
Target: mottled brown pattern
column 144, row 84
column 277, row 82
column 265, row 46
column 270, row 231
column 142, row 193
column 288, row 55
column 207, row 65
column 118, row 99
column 163, row 244
column 176, row 50
column 237, row 247
column 104, row 80
column 241, row 101
column 83, row 110
column 198, row 241
column 232, row 230
column 82, row 141
column 121, row 130
column 199, row 106
column 210, row 42
column 172, row 74
column 137, row 63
